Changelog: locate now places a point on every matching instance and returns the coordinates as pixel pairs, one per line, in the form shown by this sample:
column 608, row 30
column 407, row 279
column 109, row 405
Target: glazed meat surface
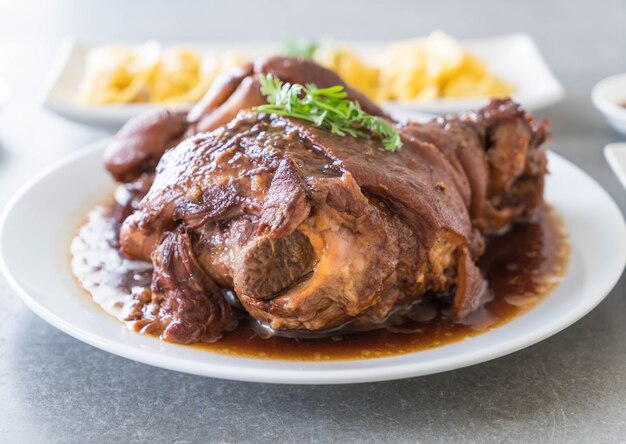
column 313, row 231
column 142, row 141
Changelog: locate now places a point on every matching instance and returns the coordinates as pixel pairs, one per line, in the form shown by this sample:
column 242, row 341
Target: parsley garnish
column 299, row 48
column 326, row 108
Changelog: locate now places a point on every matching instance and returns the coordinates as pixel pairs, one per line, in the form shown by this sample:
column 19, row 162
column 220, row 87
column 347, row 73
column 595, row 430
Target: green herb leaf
column 300, row 48
column 326, row 108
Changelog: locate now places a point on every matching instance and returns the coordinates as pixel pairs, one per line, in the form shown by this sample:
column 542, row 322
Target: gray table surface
column 53, row 388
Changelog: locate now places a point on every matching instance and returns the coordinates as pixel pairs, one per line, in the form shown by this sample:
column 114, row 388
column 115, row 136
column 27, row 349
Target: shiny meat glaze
column 278, row 220
column 312, row 230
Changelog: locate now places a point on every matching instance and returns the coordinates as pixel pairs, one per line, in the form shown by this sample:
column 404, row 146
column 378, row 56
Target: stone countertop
column 53, row 388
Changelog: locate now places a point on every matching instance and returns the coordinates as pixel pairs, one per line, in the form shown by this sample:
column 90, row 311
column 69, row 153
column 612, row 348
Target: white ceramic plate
column 39, row 222
column 514, row 57
column 615, row 154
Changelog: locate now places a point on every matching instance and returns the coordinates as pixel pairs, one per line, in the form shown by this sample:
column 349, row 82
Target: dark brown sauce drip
column 522, row 266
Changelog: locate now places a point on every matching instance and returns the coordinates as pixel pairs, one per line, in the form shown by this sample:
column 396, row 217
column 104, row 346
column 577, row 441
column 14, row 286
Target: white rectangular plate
column 513, row 57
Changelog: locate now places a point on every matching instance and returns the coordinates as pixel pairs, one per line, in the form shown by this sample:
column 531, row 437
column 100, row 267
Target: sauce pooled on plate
column 521, row 267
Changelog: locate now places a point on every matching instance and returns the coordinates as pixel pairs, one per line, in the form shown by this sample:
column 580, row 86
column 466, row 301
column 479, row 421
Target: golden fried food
column 418, row 69
column 148, row 73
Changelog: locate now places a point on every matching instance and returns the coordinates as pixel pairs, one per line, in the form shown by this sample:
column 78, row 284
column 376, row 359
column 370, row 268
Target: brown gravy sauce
column 521, row 266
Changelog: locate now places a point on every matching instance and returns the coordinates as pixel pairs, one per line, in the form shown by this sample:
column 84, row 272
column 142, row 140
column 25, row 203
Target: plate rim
column 289, row 375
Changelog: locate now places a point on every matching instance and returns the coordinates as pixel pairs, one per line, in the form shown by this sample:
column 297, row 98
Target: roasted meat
column 143, row 140
column 314, row 231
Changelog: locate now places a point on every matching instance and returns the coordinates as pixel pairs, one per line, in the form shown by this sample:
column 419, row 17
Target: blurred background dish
column 412, row 70
column 609, row 97
column 514, row 58
column 151, row 73
column 107, row 85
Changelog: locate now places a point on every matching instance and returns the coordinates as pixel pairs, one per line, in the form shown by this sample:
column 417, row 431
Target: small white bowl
column 609, row 96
